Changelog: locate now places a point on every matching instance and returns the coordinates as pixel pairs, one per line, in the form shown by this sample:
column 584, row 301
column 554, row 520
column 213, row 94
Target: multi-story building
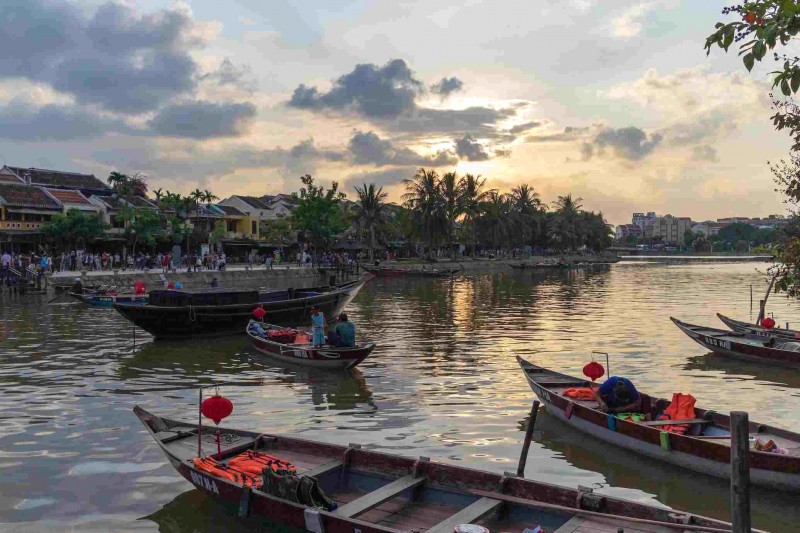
column 641, row 220
column 625, row 230
column 255, row 209
column 281, row 205
column 669, row 228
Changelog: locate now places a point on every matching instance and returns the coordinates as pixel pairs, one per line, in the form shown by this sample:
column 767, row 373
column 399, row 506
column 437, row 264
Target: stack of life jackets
column 244, row 469
column 681, row 408
column 580, row 393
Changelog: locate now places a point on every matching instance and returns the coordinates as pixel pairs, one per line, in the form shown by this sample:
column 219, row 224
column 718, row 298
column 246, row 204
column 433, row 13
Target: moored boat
column 108, row 299
column 705, row 447
column 412, row 272
column 186, row 313
column 770, row 349
column 756, row 330
column 294, row 346
column 338, row 489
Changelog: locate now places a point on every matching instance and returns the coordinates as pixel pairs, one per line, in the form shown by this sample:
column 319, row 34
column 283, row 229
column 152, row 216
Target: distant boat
column 412, row 272
column 183, row 313
column 280, row 343
column 340, row 489
column 704, row 448
column 108, row 299
column 768, row 350
column 753, row 329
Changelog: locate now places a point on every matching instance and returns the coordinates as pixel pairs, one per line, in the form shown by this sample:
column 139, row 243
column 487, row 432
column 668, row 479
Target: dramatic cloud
column 203, row 120
column 369, row 90
column 447, row 86
column 570, row 133
column 470, row 149
column 381, row 178
column 53, row 122
column 522, row 128
column 629, row 143
column 369, row 149
column 442, row 121
column 230, row 74
column 122, row 60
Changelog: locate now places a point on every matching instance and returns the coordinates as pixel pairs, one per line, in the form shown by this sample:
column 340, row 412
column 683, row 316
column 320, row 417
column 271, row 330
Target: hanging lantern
column 768, row 322
column 593, row 370
column 216, row 408
column 259, row 313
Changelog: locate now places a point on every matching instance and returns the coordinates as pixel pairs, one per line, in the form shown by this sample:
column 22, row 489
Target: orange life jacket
column 580, row 393
column 220, row 470
column 244, row 469
column 681, row 408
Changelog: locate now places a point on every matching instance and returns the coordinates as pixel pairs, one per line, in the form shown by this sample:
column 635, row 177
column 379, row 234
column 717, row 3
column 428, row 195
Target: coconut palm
column 496, row 221
column 370, row 212
column 527, row 211
column 472, row 199
column 451, row 191
column 423, row 199
column 208, row 196
column 567, row 230
column 159, row 194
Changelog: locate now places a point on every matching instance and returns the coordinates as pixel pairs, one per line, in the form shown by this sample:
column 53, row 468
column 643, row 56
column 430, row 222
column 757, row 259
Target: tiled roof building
column 54, row 178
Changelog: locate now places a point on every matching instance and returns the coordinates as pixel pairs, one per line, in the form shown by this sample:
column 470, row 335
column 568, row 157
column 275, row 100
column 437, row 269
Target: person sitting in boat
column 618, row 395
column 317, row 327
column 345, row 332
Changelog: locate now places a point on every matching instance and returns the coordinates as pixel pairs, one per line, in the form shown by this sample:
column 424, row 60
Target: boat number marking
column 543, row 394
column 719, row 343
column 204, row 483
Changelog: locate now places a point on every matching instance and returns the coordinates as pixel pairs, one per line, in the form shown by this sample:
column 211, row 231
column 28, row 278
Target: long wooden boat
column 756, row 330
column 374, row 492
column 412, row 272
column 290, row 350
column 769, row 350
column 182, row 313
column 704, row 448
column 108, row 299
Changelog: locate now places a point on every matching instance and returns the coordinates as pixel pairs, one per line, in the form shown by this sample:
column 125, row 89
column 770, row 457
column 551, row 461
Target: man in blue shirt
column 618, row 395
column 345, row 332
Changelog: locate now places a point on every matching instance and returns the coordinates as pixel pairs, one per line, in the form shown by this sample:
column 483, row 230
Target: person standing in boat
column 618, row 395
column 317, row 327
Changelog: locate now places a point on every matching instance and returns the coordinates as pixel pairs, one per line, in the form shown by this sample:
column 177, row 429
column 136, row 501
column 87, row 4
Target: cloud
column 369, row 90
column 429, row 121
column 522, row 128
column 570, row 133
column 203, row 120
column 369, row 149
column 470, row 149
column 629, row 143
column 123, row 60
column 629, row 23
column 704, row 153
column 446, row 86
column 229, row 74
column 381, row 178
column 54, row 122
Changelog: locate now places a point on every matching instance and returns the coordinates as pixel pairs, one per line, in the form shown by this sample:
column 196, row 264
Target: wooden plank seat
column 377, row 497
column 656, row 423
column 572, row 525
column 467, row 515
column 323, row 468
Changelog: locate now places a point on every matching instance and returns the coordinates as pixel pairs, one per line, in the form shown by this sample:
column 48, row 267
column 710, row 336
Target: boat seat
column 377, row 497
column 467, row 515
column 657, row 423
column 323, row 468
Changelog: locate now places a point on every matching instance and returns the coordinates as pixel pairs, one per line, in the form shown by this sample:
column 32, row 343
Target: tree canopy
column 318, row 212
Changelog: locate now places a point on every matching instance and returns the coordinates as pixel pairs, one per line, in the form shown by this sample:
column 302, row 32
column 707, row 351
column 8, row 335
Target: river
column 443, row 383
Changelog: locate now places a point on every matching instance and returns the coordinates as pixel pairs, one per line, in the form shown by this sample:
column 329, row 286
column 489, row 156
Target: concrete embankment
column 474, row 265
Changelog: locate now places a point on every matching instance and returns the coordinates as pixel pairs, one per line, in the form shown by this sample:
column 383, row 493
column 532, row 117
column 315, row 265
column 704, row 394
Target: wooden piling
column 523, row 457
column 740, row 472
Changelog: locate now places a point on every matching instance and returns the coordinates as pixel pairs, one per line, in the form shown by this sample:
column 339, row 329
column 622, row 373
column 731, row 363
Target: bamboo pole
column 740, row 472
column 763, row 303
column 523, row 457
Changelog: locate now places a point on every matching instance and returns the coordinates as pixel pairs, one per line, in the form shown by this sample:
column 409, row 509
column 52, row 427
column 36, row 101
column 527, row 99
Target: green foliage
column 319, row 212
column 126, row 185
column 74, row 228
column 370, row 212
column 277, row 230
column 144, row 226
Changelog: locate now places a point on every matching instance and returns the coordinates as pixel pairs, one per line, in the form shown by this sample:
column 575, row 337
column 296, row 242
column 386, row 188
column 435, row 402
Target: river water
column 443, row 383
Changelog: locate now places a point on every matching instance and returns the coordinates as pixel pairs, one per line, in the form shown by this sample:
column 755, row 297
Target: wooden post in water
column 751, row 300
column 523, row 457
column 740, row 472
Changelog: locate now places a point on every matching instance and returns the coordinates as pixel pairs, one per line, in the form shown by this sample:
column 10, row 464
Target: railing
column 20, row 225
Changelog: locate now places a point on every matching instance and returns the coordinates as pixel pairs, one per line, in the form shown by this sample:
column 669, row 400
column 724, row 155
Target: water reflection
column 735, row 369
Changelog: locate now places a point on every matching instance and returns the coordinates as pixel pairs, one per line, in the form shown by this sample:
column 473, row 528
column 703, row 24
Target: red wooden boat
column 374, row 492
column 765, row 349
column 704, row 448
column 294, row 346
column 760, row 331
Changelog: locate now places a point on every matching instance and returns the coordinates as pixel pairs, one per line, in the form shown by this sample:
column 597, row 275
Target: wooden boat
column 772, row 349
column 186, row 313
column 108, row 299
column 756, row 330
column 412, row 272
column 704, row 448
column 375, row 492
column 292, row 350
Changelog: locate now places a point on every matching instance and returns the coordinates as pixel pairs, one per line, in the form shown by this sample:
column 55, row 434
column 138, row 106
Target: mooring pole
column 740, row 472
column 523, row 457
column 200, row 424
column 751, row 299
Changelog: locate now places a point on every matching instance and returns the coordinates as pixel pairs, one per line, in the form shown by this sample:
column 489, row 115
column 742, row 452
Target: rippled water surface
column 443, row 383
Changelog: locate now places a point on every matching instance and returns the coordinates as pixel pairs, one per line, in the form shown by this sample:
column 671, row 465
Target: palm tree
column 451, row 190
column 208, row 196
column 117, row 179
column 159, row 194
column 370, row 212
column 566, row 230
column 422, row 197
column 527, row 210
column 472, row 199
column 496, row 220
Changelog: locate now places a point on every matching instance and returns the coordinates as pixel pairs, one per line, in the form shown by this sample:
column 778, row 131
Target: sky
column 611, row 101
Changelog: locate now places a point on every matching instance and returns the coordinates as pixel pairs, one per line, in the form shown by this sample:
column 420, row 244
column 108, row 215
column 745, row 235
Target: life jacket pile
column 244, row 469
column 681, row 408
column 580, row 393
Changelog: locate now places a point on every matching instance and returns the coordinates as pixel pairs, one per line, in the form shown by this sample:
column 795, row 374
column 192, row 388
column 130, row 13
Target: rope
column 192, row 314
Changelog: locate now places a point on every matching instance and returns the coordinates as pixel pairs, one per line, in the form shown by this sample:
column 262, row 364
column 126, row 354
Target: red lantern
column 216, row 408
column 593, row 370
column 768, row 322
column 259, row 313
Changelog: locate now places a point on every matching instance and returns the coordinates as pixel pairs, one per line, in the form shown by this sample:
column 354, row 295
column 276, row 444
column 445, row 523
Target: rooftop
column 258, row 203
column 57, row 178
column 69, row 197
column 18, row 195
column 230, row 210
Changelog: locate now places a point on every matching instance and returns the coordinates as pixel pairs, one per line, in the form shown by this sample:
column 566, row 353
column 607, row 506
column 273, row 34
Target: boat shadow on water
column 672, row 486
column 743, row 370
